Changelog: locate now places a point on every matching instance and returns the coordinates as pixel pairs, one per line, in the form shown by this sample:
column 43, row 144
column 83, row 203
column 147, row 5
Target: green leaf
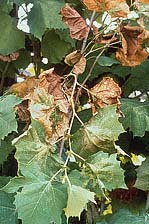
column 78, row 198
column 136, row 116
column 107, row 170
column 33, row 152
column 126, row 217
column 107, row 61
column 11, row 39
column 8, row 122
column 8, row 213
column 142, row 181
column 44, row 15
column 99, row 133
column 54, row 48
column 139, row 79
column 5, row 149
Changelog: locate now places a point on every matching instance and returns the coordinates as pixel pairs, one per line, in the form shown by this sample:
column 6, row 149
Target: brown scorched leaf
column 106, row 92
column 77, row 60
column 9, row 57
column 77, row 25
column 114, row 7
column 132, row 53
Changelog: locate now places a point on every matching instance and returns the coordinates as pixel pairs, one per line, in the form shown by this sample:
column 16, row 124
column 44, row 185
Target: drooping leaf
column 53, row 47
column 142, row 181
column 8, row 121
column 78, row 198
column 99, row 133
column 136, row 116
column 46, row 15
column 107, row 170
column 77, row 25
column 8, row 212
column 116, row 8
column 10, row 43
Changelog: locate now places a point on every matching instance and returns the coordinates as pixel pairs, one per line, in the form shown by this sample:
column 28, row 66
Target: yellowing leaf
column 78, row 198
column 137, row 159
column 108, row 210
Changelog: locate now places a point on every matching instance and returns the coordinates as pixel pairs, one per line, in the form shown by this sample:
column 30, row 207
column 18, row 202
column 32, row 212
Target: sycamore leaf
column 8, row 121
column 13, row 42
column 142, row 181
column 136, row 116
column 126, row 217
column 77, row 25
column 132, row 53
column 5, row 149
column 106, row 92
column 38, row 200
column 32, row 151
column 99, row 133
column 107, row 170
column 78, row 198
column 46, row 15
column 8, row 212
column 115, row 8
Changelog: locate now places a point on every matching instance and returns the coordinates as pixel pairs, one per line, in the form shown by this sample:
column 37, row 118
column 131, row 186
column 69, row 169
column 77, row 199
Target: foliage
column 74, row 111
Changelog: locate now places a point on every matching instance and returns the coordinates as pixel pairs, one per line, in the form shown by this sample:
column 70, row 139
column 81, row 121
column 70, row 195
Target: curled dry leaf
column 77, row 60
column 77, row 25
column 132, row 53
column 106, row 92
column 114, row 7
column 9, row 57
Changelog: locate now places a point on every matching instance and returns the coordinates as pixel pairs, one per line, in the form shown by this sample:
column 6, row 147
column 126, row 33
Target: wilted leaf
column 77, row 25
column 24, row 88
column 132, row 53
column 106, row 92
column 115, row 8
column 136, row 116
column 23, row 112
column 10, row 57
column 107, row 170
column 80, row 66
column 99, row 133
column 72, row 58
column 142, row 181
column 8, row 121
column 78, row 198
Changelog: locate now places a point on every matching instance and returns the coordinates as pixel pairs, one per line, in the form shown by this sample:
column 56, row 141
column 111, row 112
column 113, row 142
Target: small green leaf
column 107, row 61
column 5, row 149
column 8, row 121
column 99, row 133
column 136, row 116
column 78, row 198
column 44, row 15
column 11, row 39
column 107, row 170
column 142, row 181
column 8, row 213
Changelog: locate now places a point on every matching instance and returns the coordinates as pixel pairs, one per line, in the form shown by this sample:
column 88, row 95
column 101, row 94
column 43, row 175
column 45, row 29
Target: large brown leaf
column 106, row 92
column 114, row 7
column 132, row 53
column 77, row 25
column 9, row 57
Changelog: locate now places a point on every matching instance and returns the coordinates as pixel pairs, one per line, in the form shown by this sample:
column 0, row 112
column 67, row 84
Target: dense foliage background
column 74, row 111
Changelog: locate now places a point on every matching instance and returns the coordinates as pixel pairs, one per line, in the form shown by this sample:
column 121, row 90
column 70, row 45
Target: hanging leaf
column 99, row 133
column 115, row 8
column 142, row 181
column 77, row 25
column 80, row 197
column 8, row 121
column 107, row 170
column 106, row 92
column 132, row 53
column 136, row 116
